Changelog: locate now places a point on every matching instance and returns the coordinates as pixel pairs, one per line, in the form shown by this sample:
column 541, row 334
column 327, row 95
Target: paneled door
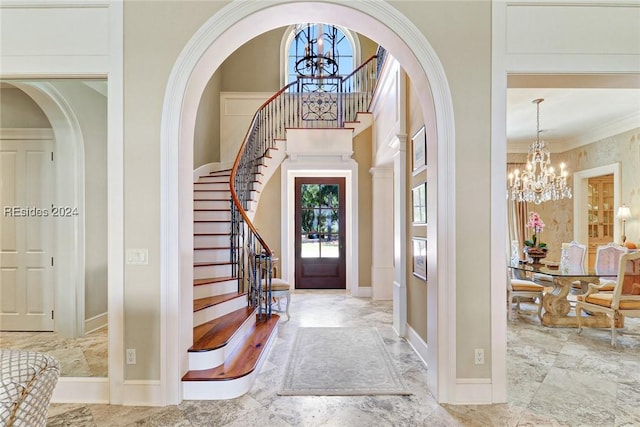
column 26, row 254
column 320, row 233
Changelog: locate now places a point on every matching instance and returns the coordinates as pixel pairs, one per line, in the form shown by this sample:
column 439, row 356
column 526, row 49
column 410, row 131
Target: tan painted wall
column 154, row 35
column 20, row 111
column 460, row 33
column 255, row 67
column 362, row 149
column 206, row 139
column 267, row 219
column 416, row 287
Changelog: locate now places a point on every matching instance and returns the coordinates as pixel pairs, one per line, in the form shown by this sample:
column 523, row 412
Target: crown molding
column 612, row 128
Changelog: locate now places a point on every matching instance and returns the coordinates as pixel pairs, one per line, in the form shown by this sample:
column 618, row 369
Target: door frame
column 290, row 170
column 68, row 249
column 342, row 226
column 580, row 198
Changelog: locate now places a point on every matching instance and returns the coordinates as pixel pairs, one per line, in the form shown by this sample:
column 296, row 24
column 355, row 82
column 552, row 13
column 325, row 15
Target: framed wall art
column 419, row 203
column 419, row 151
column 420, row 257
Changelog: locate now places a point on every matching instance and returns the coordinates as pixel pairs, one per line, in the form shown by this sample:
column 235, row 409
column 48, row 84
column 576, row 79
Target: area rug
column 340, row 362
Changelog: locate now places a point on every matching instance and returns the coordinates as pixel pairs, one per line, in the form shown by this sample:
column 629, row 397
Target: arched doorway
column 233, row 26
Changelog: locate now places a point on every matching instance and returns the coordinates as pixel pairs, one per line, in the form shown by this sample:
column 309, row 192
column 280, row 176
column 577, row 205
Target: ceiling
column 586, row 109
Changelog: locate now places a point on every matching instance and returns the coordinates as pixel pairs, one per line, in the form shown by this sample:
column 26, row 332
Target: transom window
column 316, row 49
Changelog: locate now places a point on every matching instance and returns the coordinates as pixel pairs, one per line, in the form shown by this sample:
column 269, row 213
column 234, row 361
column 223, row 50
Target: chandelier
column 539, row 182
column 319, row 58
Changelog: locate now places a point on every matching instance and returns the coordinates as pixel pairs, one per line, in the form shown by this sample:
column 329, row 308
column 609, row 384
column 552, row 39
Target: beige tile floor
column 79, row 357
column 555, row 378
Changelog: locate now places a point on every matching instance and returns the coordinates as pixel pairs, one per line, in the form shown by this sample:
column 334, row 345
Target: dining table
column 557, row 308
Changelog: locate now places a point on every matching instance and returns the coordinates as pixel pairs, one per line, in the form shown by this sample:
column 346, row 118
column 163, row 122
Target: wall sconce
column 624, row 213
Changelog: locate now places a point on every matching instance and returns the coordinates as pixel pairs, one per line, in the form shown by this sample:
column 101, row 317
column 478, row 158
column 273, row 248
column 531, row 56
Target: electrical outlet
column 131, row 356
column 479, row 356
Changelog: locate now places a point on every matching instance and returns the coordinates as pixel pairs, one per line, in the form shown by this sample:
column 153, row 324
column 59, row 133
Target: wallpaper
column 623, row 148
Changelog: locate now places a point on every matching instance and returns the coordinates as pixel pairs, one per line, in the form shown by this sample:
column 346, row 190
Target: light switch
column 138, row 256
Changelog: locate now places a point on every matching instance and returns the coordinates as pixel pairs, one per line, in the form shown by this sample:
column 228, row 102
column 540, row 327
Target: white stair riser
column 211, row 241
column 223, row 215
column 212, row 204
column 209, row 271
column 211, row 186
column 210, row 359
column 213, row 312
column 230, row 389
column 213, row 289
column 212, row 194
column 212, row 255
column 211, row 227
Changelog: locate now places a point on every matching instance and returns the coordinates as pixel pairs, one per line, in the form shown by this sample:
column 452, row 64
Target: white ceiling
column 576, row 110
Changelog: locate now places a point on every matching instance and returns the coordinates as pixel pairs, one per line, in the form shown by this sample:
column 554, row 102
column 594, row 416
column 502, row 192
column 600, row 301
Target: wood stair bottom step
column 202, row 303
column 218, row 332
column 208, row 281
column 244, row 359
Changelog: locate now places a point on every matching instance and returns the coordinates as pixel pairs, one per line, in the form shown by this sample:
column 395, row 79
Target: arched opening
column 223, row 33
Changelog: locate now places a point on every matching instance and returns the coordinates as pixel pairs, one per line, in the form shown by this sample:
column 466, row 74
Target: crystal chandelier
column 539, row 182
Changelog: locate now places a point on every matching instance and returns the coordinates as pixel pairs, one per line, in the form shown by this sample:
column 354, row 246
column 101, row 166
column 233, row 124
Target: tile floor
column 555, row 378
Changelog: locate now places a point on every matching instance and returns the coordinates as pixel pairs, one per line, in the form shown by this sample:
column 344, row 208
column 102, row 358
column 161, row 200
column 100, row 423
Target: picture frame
column 419, row 151
column 419, row 204
column 419, row 256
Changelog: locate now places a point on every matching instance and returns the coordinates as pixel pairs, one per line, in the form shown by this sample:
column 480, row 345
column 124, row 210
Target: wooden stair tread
column 218, row 332
column 244, row 359
column 212, row 210
column 208, row 199
column 212, row 220
column 214, row 248
column 210, row 280
column 211, row 234
column 202, row 303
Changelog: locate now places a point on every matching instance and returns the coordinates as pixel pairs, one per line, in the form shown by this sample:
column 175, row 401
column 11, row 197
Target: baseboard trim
column 418, row 344
column 96, row 322
column 142, row 393
column 473, row 391
column 365, row 292
column 81, row 390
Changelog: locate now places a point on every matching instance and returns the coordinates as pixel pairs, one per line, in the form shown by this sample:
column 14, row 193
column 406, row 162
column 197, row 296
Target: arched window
column 318, row 49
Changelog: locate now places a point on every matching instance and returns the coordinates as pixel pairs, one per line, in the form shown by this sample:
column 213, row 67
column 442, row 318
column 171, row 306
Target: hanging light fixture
column 320, row 53
column 539, row 182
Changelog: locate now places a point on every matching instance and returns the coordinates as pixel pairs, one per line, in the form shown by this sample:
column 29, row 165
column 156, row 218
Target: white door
column 26, row 245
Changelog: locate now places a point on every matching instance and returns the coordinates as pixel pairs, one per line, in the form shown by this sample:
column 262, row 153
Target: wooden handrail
column 269, row 122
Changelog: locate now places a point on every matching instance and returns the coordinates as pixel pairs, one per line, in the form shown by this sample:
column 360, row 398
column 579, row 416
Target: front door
column 320, row 233
column 26, row 256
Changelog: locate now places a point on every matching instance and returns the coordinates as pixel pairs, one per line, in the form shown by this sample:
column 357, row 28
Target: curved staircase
column 228, row 342
column 233, row 323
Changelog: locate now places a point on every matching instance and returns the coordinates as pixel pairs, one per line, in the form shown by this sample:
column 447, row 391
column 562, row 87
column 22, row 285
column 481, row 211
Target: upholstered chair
column 522, row 288
column 27, row 380
column 607, row 259
column 623, row 300
column 280, row 289
column 572, row 257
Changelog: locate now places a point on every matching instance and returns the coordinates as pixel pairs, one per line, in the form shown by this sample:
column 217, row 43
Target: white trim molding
column 227, row 30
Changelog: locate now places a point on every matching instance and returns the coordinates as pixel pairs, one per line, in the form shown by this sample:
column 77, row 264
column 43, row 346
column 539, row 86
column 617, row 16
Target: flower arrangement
column 536, row 224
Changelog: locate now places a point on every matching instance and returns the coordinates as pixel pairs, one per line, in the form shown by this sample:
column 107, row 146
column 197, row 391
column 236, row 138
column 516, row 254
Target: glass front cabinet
column 600, row 213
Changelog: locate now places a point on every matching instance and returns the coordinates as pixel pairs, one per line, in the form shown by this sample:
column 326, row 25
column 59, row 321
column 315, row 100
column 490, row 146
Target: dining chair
column 607, row 260
column 622, row 301
column 572, row 256
column 518, row 289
